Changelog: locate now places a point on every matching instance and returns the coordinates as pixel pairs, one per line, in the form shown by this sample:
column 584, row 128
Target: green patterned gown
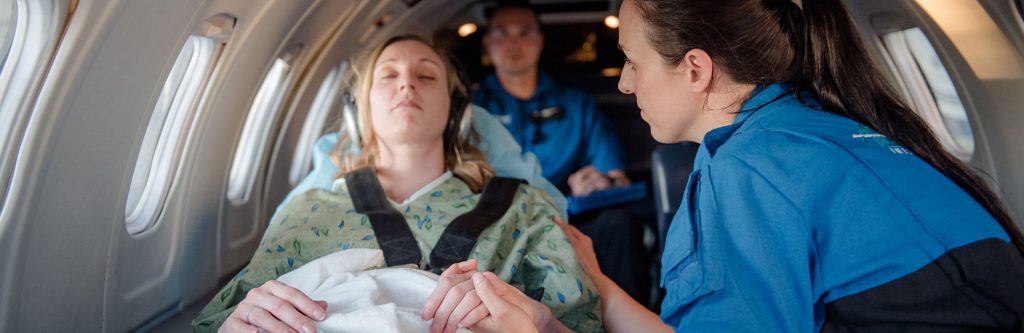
column 524, row 247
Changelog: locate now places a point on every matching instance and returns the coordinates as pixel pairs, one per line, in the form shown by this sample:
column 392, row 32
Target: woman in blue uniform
column 818, row 202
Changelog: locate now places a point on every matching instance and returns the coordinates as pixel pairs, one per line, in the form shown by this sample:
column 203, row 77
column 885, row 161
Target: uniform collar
column 759, row 98
column 545, row 84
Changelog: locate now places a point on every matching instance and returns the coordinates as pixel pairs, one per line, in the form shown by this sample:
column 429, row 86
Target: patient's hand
column 453, row 299
column 275, row 307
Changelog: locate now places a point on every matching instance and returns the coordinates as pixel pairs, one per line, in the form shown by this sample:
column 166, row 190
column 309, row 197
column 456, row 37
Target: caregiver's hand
column 275, row 307
column 511, row 310
column 584, row 249
column 453, row 298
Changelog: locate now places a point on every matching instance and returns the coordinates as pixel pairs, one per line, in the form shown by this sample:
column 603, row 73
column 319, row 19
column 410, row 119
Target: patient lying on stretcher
column 420, row 192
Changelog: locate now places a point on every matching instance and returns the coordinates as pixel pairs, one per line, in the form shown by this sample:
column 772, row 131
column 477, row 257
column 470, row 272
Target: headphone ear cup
column 460, row 113
column 350, row 123
column 466, row 124
column 452, row 130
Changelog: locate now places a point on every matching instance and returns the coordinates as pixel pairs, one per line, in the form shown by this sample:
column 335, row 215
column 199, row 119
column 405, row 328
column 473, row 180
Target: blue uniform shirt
column 789, row 209
column 581, row 135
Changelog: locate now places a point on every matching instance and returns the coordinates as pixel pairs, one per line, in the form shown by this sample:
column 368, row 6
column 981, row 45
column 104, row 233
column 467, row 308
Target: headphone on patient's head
column 456, row 131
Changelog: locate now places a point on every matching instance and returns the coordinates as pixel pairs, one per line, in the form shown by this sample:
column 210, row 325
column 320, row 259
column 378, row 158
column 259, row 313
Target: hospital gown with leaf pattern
column 524, row 247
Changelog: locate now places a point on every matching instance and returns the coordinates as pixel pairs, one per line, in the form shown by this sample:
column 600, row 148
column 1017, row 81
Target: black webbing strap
column 393, row 235
column 396, row 239
column 460, row 236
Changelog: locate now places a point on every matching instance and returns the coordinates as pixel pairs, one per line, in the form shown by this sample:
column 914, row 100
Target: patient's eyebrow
column 422, row 60
column 431, row 61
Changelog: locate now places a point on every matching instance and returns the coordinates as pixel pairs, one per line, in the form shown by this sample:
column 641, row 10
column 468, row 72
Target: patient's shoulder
column 319, row 194
column 313, row 200
column 531, row 191
column 535, row 203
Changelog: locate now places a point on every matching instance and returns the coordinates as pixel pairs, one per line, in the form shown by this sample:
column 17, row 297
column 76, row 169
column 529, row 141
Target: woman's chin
column 666, row 138
column 410, row 130
column 409, row 121
column 659, row 136
column 412, row 138
column 403, row 126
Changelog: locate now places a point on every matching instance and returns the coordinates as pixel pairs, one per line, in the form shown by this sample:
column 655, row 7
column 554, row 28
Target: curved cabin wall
column 67, row 261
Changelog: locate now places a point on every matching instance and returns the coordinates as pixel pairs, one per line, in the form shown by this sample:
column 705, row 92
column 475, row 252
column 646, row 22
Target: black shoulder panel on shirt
column 974, row 288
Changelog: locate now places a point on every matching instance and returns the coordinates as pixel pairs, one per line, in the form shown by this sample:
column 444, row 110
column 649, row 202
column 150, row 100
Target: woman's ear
column 699, row 69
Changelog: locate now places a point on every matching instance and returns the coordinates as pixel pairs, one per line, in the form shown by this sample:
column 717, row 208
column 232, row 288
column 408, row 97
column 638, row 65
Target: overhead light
column 611, row 72
column 467, row 29
column 611, row 21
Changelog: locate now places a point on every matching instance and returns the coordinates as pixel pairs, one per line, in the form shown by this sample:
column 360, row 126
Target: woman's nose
column 626, row 83
column 407, row 82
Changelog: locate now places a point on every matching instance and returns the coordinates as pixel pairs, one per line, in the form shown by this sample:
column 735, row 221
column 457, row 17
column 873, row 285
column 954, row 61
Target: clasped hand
column 482, row 302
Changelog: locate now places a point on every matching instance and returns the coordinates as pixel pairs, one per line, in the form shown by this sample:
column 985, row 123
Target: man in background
column 574, row 142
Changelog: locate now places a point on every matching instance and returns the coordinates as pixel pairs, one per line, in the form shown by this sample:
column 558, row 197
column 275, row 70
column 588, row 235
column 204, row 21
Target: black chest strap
column 395, row 237
column 460, row 236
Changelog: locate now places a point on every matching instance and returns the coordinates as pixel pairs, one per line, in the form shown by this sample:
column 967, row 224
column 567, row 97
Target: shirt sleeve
column 549, row 262
column 509, row 160
column 797, row 222
column 254, row 274
column 781, row 229
column 311, row 225
column 750, row 266
column 603, row 150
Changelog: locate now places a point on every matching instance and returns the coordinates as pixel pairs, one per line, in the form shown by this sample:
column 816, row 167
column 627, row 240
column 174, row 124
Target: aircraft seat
column 671, row 165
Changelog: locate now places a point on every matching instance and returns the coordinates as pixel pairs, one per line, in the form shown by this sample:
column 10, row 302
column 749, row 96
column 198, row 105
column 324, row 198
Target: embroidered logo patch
column 866, row 133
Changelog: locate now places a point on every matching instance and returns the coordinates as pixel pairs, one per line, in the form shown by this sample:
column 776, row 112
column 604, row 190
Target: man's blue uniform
column 575, row 136
column 578, row 136
column 798, row 220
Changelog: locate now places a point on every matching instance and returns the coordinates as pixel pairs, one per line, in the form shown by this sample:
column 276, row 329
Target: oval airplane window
column 7, row 23
column 256, row 131
column 165, row 134
column 29, row 31
column 933, row 94
column 324, row 102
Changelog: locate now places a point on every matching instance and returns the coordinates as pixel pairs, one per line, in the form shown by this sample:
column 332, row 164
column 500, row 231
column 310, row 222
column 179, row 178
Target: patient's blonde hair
column 466, row 162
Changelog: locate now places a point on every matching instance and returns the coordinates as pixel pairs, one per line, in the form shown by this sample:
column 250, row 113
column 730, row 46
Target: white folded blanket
column 362, row 296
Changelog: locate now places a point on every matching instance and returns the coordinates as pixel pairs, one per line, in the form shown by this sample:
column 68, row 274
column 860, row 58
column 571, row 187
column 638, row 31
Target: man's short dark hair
column 510, row 4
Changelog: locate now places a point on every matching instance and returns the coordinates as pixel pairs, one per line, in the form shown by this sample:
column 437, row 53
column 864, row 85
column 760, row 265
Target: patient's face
column 409, row 97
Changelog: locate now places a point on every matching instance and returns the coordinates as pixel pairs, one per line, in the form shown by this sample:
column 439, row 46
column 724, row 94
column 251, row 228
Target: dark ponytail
column 818, row 49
